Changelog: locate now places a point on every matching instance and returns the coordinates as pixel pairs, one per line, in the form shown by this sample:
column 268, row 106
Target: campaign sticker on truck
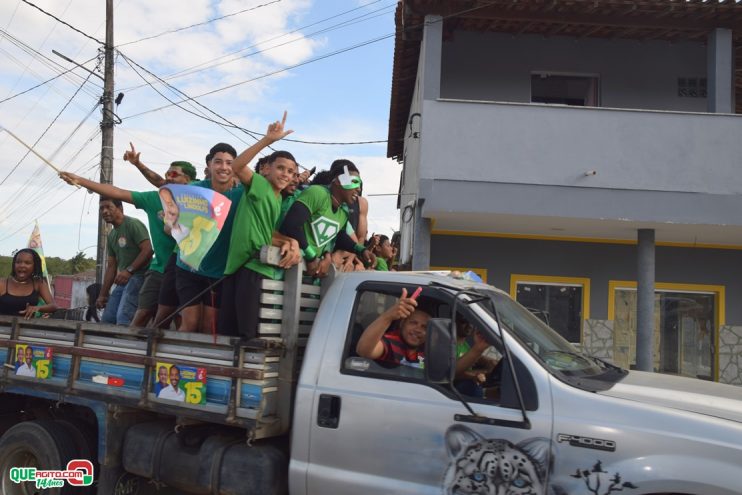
column 79, row 472
column 33, row 361
column 180, row 383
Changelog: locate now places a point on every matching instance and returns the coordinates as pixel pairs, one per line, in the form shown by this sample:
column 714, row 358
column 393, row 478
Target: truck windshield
column 558, row 355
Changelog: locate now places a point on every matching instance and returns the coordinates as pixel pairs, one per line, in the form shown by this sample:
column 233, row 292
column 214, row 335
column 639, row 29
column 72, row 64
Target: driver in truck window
column 397, row 336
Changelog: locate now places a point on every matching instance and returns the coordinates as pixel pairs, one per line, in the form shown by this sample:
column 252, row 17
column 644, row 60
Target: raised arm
column 107, row 190
column 132, row 156
column 370, row 345
column 274, row 133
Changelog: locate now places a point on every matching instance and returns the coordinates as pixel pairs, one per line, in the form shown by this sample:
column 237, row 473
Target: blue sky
column 342, row 98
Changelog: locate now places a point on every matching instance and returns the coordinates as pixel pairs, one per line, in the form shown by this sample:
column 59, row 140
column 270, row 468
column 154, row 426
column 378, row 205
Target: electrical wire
column 45, row 186
column 62, row 22
column 306, row 62
column 197, row 24
column 44, row 60
column 45, row 131
column 36, row 216
column 213, row 63
column 46, row 38
column 188, row 99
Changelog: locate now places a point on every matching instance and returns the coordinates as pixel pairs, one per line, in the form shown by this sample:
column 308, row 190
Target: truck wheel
column 39, row 444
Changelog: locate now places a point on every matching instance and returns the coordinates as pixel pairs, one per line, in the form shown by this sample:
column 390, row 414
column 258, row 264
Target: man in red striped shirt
column 397, row 336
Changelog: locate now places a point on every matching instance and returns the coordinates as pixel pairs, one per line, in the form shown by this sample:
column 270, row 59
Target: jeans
column 122, row 303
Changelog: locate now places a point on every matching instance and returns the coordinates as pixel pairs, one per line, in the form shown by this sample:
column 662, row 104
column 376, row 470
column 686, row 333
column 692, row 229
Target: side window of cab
column 396, row 350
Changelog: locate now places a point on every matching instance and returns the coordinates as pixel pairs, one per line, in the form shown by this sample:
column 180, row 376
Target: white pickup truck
column 298, row 411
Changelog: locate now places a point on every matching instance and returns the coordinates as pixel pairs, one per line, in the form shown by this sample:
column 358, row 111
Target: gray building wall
column 633, row 74
column 556, row 145
column 600, row 262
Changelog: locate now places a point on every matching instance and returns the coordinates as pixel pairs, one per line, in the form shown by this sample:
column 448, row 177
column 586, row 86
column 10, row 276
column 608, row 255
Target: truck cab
column 550, row 421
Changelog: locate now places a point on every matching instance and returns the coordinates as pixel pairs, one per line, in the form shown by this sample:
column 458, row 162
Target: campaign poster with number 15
column 180, row 383
column 33, row 361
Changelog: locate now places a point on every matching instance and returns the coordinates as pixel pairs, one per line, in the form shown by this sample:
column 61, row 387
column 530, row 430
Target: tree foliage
column 56, row 266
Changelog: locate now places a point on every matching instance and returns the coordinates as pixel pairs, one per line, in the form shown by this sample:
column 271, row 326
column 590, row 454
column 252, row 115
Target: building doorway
column 685, row 328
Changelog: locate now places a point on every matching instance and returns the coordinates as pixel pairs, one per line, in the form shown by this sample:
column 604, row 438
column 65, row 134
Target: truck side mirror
column 440, row 351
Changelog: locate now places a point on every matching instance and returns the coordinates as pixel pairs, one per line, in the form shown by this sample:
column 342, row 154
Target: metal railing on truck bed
column 246, row 384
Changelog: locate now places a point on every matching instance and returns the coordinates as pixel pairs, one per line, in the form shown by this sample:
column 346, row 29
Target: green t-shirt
column 162, row 243
column 462, row 348
column 381, row 265
column 212, row 265
column 254, row 223
column 123, row 242
column 324, row 224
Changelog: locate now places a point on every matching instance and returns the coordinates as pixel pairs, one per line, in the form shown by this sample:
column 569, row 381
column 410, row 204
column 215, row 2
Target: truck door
column 385, row 429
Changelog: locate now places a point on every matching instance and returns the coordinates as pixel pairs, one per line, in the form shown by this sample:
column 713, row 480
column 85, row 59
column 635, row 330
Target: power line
column 176, row 90
column 43, row 59
column 315, row 59
column 197, row 24
column 209, row 65
column 63, row 22
column 249, row 132
column 42, row 214
column 36, row 86
column 45, row 130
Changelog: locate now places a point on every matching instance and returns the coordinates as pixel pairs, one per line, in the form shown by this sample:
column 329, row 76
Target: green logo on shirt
column 324, row 230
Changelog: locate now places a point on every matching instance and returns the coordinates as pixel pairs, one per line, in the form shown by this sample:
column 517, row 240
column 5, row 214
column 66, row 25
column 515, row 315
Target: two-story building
column 584, row 155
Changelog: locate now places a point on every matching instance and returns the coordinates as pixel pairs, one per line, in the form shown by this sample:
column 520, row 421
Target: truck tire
column 42, row 444
column 85, row 447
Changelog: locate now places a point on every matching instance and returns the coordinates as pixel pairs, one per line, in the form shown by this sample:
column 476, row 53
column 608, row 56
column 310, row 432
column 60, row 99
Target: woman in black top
column 21, row 293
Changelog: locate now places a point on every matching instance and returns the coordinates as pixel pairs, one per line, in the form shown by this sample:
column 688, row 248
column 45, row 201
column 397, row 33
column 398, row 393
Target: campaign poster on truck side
column 180, row 383
column 194, row 217
column 33, row 361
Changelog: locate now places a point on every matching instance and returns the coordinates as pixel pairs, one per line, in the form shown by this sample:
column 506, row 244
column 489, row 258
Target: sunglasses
column 172, row 174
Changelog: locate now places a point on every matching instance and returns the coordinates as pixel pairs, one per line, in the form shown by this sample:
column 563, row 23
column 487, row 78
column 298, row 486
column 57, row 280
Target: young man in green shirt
column 200, row 289
column 318, row 218
column 150, row 297
column 254, row 227
column 129, row 253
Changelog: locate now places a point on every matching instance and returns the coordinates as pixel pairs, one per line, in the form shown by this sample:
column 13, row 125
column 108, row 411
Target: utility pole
column 106, row 125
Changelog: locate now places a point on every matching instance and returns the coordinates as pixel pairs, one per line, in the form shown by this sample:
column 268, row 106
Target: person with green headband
column 318, row 218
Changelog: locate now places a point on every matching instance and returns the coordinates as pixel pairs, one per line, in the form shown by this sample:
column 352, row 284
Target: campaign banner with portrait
column 179, row 383
column 194, row 216
column 33, row 361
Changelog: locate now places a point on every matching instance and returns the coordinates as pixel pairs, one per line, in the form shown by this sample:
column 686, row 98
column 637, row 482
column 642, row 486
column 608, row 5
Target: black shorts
column 193, row 289
column 240, row 311
column 149, row 293
column 168, row 295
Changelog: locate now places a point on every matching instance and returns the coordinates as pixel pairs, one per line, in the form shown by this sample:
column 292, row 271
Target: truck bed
column 248, row 384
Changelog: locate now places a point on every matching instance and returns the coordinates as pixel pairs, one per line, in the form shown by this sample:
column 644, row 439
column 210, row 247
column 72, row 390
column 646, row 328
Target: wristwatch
column 130, row 269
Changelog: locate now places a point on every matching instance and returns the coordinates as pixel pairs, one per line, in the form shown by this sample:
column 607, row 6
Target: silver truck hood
column 686, row 394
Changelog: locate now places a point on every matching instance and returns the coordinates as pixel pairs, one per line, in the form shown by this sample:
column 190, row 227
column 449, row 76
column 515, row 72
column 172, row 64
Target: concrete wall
column 633, row 74
column 556, row 145
column 597, row 261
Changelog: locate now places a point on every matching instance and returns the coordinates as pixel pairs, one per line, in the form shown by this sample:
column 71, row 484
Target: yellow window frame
column 719, row 292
